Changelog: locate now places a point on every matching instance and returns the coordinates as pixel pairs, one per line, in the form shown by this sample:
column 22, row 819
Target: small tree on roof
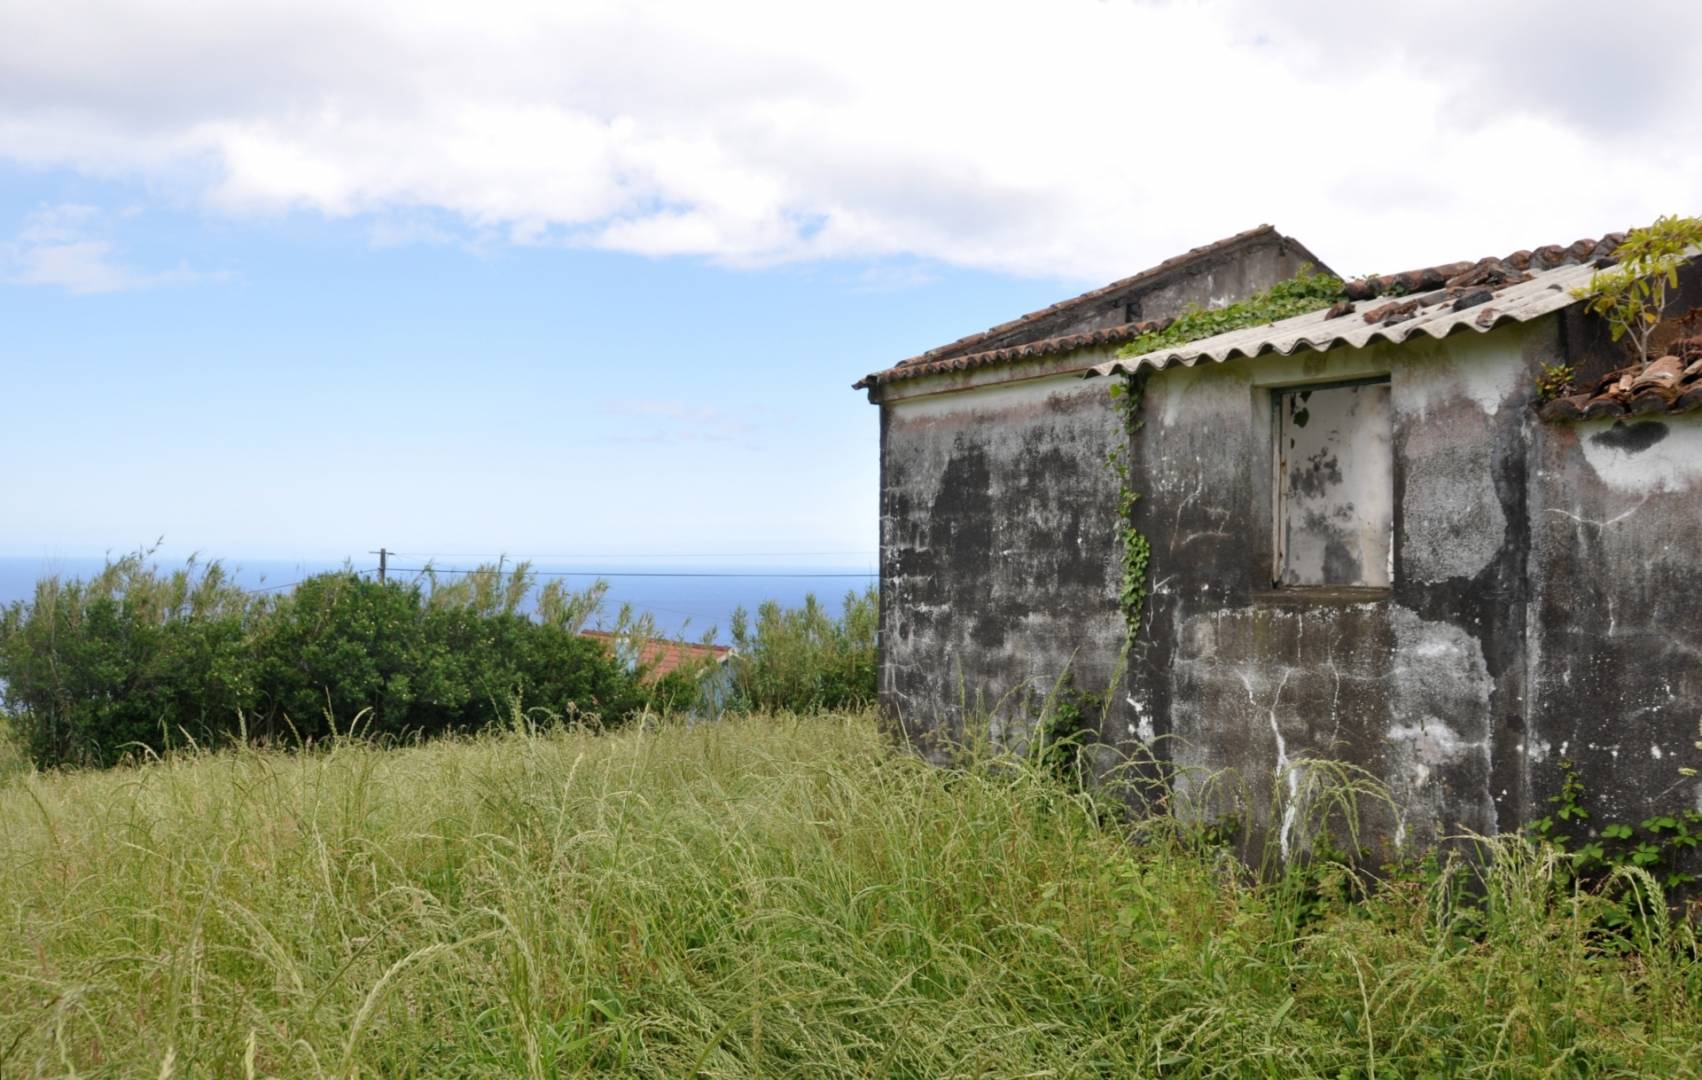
column 1632, row 296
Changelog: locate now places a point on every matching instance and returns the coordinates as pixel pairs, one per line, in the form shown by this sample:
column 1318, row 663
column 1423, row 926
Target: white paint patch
column 1171, row 396
column 1485, row 370
column 1142, row 727
column 1655, row 752
column 1673, row 464
column 1291, row 812
column 1431, row 741
column 1440, row 691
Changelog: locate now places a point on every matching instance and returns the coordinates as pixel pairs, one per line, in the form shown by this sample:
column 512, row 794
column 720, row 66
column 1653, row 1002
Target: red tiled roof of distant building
column 659, row 657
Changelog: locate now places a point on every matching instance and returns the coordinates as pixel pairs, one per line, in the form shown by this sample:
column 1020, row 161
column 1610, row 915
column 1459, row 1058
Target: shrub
column 136, row 659
column 803, row 658
column 130, row 657
column 1632, row 296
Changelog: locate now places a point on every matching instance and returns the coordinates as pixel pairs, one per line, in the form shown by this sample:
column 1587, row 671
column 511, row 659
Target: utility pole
column 383, row 562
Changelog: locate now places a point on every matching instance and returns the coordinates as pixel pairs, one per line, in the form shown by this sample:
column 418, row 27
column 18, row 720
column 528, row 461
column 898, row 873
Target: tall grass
column 769, row 896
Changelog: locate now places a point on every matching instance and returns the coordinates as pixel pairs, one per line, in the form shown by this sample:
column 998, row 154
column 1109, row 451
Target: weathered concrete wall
column 1543, row 596
column 997, row 521
column 1616, row 613
column 1220, row 281
column 1415, row 682
column 998, row 553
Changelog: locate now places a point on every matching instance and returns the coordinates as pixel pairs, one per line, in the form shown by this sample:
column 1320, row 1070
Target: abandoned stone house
column 1368, row 543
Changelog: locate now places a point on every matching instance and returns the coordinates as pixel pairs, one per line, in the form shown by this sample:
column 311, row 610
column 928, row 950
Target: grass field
column 769, row 896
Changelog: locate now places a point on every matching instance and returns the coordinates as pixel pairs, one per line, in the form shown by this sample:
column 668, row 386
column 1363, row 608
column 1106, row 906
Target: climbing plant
column 1284, row 300
column 1133, row 548
column 1652, row 844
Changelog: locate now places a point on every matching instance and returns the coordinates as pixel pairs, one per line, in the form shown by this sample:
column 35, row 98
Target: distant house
column 1368, row 542
column 657, row 658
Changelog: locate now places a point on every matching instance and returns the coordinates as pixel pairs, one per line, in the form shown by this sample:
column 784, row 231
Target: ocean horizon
column 685, row 597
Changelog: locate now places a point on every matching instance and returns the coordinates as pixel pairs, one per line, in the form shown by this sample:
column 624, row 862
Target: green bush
column 130, row 657
column 137, row 660
column 803, row 659
column 134, row 659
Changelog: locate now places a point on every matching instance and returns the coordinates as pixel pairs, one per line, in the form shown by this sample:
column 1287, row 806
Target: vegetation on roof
column 1632, row 296
column 1298, row 296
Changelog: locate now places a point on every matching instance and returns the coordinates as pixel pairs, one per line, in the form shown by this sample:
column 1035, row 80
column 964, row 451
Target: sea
column 687, row 597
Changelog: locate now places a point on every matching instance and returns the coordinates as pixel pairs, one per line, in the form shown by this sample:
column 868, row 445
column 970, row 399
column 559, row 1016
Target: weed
column 772, row 895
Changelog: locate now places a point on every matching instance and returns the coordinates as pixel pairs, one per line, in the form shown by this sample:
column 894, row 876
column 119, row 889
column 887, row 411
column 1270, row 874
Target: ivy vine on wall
column 1134, row 550
column 1297, row 296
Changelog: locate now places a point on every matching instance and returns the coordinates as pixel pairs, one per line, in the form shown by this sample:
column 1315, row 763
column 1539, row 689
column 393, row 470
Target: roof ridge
column 960, row 345
column 962, row 352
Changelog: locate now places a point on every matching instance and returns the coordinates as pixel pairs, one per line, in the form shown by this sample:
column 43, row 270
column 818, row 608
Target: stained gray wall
column 1407, row 682
column 997, row 512
column 1616, row 613
column 998, row 560
column 1546, row 596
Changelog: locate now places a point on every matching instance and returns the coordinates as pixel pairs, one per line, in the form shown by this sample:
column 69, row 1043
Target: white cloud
column 1077, row 137
column 59, row 246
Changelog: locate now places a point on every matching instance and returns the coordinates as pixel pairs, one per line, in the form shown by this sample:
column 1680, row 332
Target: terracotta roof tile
column 964, row 354
column 1493, row 272
column 1115, row 335
column 660, row 657
column 1463, row 285
column 1669, row 384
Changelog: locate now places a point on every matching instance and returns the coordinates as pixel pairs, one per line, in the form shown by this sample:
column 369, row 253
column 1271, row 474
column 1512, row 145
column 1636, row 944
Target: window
column 1334, row 486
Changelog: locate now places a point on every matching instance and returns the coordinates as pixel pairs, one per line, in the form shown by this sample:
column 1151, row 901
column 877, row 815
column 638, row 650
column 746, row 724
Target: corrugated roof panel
column 1436, row 315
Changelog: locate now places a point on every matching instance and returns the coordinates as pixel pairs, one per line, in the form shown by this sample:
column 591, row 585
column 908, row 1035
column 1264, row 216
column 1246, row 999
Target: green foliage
column 1296, row 296
column 1632, row 296
column 1068, row 722
column 14, row 759
column 1555, row 381
column 771, row 896
column 135, row 660
column 802, row 659
column 1134, row 550
column 1284, row 300
column 129, row 658
column 1654, row 845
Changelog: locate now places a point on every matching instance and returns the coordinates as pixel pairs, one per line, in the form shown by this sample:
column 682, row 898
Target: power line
column 272, row 588
column 293, row 584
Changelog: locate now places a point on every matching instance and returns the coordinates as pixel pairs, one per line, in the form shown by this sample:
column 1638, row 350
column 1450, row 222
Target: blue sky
column 302, row 390
column 298, row 279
